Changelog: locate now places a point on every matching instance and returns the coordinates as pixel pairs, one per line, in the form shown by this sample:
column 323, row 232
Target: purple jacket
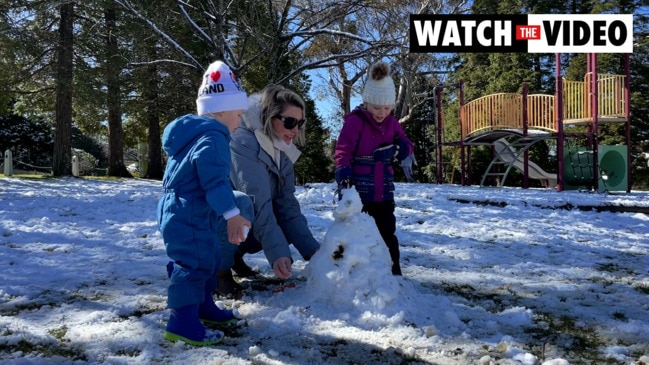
column 356, row 159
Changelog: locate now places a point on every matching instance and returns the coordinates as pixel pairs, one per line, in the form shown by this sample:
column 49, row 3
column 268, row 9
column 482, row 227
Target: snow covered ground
column 516, row 279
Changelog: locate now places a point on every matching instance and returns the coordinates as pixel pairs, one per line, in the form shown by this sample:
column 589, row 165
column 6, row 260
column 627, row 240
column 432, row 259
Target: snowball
column 254, row 351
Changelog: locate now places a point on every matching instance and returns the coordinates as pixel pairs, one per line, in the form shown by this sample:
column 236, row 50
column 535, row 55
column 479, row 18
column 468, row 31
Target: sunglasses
column 289, row 122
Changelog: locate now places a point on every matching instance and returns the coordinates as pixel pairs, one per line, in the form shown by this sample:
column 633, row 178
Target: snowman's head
column 349, row 205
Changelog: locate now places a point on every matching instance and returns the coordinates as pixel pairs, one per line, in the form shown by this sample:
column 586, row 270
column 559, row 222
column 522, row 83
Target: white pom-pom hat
column 379, row 88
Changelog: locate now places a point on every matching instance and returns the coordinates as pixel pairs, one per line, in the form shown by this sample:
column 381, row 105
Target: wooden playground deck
column 505, row 111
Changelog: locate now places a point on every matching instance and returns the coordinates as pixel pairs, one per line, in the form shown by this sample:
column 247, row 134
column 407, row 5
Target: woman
column 263, row 154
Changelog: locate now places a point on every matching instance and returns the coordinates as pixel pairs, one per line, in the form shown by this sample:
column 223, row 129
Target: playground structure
column 511, row 123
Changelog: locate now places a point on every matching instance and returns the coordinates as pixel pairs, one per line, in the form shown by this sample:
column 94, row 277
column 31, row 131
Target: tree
column 314, row 164
column 640, row 111
column 151, row 77
column 34, row 59
column 30, row 141
column 249, row 34
column 6, row 60
column 27, row 56
column 260, row 41
column 161, row 86
column 150, row 94
column 62, row 159
column 113, row 67
column 257, row 43
column 89, row 145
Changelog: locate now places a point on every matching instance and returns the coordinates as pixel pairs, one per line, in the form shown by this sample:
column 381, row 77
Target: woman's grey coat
column 278, row 218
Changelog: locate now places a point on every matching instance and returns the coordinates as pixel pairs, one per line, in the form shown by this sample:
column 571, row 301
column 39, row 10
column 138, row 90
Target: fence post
column 75, row 166
column 9, row 167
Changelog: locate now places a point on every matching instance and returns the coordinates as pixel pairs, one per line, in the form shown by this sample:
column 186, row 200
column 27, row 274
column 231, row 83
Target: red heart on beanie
column 215, row 76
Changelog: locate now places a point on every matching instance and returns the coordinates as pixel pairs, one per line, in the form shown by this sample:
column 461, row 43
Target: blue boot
column 184, row 326
column 170, row 268
column 209, row 313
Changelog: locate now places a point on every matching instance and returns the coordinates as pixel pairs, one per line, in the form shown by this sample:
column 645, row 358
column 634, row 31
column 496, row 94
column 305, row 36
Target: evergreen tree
column 640, row 114
column 30, row 141
column 314, row 164
column 62, row 159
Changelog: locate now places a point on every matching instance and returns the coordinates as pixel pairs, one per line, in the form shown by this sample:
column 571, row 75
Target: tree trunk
column 346, row 98
column 62, row 158
column 116, row 165
column 154, row 157
column 150, row 94
column 345, row 90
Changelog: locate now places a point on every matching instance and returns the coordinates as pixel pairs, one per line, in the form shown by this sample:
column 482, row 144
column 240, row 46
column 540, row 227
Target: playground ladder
column 516, row 148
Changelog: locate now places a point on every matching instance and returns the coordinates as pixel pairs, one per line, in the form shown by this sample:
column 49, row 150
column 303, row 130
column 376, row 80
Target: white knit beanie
column 220, row 91
column 379, row 88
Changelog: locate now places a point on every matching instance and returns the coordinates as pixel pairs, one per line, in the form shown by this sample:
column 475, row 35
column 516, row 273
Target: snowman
column 352, row 267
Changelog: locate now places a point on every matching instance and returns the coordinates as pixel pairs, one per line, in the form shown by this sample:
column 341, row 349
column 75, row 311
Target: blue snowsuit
column 197, row 191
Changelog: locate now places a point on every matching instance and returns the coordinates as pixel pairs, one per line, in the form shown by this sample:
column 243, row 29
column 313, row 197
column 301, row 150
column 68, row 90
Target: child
column 371, row 137
column 198, row 209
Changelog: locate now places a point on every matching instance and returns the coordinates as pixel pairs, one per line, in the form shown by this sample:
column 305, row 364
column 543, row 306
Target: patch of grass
column 613, row 267
column 58, row 333
column 128, row 352
column 49, row 176
column 44, row 351
column 464, row 290
column 351, row 352
column 603, row 281
column 101, row 178
column 29, row 176
column 471, row 294
column 141, row 282
column 140, row 312
column 15, row 310
column 231, row 331
column 579, row 343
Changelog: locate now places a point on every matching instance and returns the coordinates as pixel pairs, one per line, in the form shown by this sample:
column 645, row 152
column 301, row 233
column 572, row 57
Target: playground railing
column 540, row 112
column 576, row 103
column 491, row 112
column 611, row 99
column 505, row 110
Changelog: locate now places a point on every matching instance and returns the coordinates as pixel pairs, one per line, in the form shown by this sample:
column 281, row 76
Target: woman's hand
column 282, row 267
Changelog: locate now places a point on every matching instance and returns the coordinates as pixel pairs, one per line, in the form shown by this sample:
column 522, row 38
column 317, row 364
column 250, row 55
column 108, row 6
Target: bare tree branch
column 163, row 60
column 127, row 5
